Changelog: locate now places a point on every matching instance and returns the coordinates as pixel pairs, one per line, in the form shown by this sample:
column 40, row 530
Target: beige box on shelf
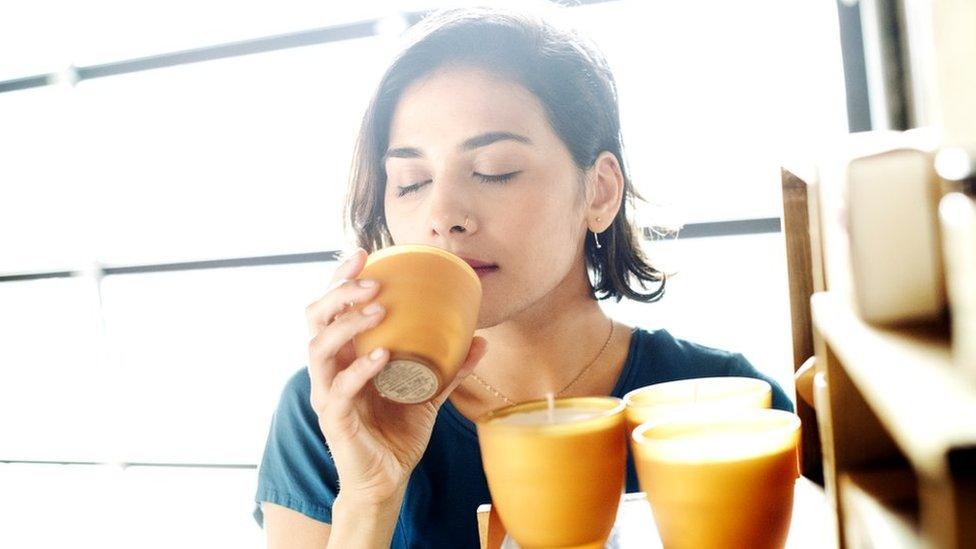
column 832, row 202
column 878, row 202
column 957, row 214
column 895, row 250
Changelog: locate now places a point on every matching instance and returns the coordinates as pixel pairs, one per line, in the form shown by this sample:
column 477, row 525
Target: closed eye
column 500, row 178
column 403, row 190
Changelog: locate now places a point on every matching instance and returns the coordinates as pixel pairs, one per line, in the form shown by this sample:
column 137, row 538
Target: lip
column 478, row 264
column 485, row 271
column 482, row 268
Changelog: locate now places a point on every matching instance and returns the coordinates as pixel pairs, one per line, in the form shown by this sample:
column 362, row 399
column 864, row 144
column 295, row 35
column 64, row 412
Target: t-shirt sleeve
column 740, row 366
column 296, row 469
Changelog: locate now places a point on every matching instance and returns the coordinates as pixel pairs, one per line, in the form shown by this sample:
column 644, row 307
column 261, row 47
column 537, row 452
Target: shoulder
column 657, row 357
column 298, row 387
column 294, row 412
column 678, row 358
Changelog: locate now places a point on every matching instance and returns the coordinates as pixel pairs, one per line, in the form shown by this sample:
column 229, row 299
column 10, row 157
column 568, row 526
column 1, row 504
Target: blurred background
column 171, row 183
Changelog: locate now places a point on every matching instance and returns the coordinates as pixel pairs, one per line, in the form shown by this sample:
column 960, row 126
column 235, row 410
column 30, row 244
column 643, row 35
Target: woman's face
column 473, row 167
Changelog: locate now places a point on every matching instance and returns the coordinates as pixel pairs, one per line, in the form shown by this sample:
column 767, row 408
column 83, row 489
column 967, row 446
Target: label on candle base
column 406, row 382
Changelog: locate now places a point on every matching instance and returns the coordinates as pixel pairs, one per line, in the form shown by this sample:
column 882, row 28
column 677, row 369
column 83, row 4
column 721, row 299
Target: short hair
column 573, row 82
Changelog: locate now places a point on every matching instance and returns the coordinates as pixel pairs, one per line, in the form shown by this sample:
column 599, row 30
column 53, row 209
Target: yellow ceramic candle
column 722, row 479
column 556, row 474
column 685, row 396
column 432, row 299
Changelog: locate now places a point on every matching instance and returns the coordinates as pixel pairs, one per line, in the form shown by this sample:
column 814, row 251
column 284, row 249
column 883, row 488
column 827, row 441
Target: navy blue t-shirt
column 448, row 484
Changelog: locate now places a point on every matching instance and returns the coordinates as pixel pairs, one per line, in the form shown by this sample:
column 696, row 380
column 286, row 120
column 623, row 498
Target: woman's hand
column 375, row 443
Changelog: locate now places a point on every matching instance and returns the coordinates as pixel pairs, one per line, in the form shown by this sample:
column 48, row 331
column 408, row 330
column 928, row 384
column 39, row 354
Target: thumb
column 479, row 346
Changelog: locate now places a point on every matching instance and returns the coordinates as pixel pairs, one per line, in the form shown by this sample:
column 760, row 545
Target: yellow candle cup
column 723, row 479
column 686, row 396
column 556, row 474
column 432, row 299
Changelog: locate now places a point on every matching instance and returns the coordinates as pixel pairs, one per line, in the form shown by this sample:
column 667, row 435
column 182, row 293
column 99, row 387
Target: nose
column 446, row 224
column 449, row 215
column 455, row 225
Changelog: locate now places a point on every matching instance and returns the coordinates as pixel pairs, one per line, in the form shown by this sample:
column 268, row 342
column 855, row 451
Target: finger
column 351, row 381
column 479, row 346
column 323, row 312
column 324, row 347
column 351, row 265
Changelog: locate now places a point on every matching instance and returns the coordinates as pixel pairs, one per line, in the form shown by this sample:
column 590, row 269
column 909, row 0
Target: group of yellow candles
column 717, row 464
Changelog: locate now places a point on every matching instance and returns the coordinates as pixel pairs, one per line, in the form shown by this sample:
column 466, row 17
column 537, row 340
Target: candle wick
column 550, row 406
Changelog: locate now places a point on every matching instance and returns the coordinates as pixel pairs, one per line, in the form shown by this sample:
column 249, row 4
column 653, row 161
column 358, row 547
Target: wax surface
column 709, row 442
column 682, row 398
column 701, row 390
column 548, row 417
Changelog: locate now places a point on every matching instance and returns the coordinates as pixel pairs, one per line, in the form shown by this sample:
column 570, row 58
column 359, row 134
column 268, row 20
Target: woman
column 494, row 135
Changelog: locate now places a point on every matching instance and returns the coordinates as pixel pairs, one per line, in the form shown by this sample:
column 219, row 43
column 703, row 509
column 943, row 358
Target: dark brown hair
column 575, row 86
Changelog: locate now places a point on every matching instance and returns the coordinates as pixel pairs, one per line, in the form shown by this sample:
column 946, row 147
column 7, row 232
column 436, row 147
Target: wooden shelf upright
column 898, row 426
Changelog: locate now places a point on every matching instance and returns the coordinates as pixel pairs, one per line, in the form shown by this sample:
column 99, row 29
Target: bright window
column 248, row 156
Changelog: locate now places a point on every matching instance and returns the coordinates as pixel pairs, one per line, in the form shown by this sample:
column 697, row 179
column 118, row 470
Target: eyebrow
column 475, row 142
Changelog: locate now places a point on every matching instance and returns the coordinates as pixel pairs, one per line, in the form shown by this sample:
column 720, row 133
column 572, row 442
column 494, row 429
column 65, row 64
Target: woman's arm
column 373, row 443
column 355, row 526
column 289, row 529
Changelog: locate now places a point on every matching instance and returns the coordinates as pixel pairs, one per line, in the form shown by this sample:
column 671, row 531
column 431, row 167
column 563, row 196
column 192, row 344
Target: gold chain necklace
column 510, row 402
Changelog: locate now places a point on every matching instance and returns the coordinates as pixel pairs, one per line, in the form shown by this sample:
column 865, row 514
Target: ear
column 605, row 191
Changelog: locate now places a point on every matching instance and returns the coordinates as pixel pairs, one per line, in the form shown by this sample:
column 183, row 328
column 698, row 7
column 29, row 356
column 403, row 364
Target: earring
column 596, row 239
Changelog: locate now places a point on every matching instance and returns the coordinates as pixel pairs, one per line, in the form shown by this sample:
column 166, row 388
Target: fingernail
column 367, row 283
column 376, row 353
column 372, row 309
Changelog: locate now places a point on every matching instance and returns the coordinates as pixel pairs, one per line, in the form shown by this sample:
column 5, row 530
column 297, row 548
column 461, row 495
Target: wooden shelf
column 907, row 378
column 881, row 508
column 894, row 414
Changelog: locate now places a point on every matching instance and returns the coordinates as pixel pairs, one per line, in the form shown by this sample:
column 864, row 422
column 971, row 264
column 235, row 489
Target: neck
column 544, row 347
